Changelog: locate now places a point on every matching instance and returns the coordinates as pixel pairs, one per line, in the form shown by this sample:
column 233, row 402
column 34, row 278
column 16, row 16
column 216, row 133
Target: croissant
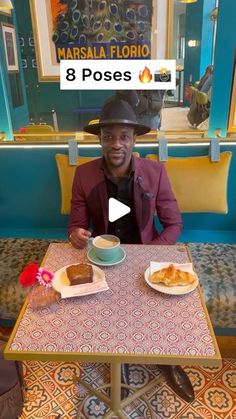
column 172, row 276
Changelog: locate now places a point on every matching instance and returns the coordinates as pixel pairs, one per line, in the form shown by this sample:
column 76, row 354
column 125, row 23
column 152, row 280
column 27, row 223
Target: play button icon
column 116, row 209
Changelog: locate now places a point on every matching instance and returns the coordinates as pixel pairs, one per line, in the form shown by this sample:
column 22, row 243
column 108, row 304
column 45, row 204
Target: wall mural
column 101, row 29
column 90, row 29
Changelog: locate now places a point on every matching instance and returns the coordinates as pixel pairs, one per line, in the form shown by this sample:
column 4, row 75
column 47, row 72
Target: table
column 129, row 323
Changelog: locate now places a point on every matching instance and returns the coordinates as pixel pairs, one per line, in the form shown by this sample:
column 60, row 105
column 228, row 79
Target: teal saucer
column 94, row 259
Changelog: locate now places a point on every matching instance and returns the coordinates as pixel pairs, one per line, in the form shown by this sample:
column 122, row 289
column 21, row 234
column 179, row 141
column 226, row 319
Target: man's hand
column 79, row 238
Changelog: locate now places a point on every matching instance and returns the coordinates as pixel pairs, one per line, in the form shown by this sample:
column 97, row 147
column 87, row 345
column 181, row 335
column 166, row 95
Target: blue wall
column 223, row 66
column 5, row 122
column 198, row 27
column 12, row 117
column 30, row 196
column 19, row 114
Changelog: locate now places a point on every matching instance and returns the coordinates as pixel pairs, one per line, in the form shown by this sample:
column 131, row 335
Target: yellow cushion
column 39, row 129
column 199, row 185
column 66, row 176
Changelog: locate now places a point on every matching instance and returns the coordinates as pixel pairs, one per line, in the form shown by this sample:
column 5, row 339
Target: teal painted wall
column 30, row 196
column 206, row 36
column 198, row 27
column 223, row 66
column 18, row 112
column 5, row 119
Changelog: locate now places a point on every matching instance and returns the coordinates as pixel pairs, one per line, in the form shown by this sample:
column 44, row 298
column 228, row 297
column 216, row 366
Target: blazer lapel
column 138, row 202
column 103, row 197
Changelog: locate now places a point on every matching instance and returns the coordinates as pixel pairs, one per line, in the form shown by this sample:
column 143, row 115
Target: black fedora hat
column 117, row 112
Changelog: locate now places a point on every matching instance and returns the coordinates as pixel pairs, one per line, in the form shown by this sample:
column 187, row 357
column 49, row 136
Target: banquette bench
column 199, row 185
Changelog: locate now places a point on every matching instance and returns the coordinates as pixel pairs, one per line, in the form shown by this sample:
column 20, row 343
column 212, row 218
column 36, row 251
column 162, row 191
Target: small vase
column 41, row 296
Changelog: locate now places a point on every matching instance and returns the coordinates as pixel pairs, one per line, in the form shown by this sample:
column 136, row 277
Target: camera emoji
column 162, row 75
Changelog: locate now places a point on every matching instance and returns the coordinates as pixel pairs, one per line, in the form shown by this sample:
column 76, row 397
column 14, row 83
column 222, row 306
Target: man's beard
column 117, row 162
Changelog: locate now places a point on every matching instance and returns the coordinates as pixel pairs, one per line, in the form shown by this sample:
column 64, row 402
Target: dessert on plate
column 172, row 276
column 82, row 273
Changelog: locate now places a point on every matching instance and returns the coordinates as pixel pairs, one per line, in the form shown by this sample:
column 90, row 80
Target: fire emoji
column 145, row 76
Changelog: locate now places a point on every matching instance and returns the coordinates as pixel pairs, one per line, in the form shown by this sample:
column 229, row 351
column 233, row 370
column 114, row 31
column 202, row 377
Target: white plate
column 177, row 290
column 62, row 285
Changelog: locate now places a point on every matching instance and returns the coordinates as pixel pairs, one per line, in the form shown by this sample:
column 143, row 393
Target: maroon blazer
column 151, row 192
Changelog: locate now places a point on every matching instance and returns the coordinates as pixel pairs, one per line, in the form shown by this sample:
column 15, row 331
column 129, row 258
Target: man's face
column 117, row 142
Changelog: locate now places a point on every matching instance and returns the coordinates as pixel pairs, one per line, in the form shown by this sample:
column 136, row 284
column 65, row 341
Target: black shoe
column 178, row 381
column 124, row 380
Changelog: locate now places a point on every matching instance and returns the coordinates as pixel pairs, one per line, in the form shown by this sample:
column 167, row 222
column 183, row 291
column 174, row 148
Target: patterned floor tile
column 165, row 403
column 198, row 378
column 218, row 399
column 94, row 408
column 137, row 410
column 51, row 393
column 203, row 411
column 190, row 413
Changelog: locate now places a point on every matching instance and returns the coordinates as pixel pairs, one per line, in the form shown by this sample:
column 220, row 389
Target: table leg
column 115, row 404
column 115, row 386
column 97, row 393
column 111, row 414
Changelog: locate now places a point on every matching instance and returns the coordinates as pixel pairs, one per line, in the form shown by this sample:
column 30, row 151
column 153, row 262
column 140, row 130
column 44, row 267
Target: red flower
column 29, row 275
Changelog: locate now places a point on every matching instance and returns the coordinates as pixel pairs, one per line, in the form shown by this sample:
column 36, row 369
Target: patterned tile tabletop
column 129, row 319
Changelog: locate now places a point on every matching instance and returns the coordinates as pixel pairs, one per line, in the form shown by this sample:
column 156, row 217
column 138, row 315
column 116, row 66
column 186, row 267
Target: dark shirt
column 126, row 227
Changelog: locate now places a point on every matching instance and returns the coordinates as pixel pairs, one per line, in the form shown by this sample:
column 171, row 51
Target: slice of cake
column 82, row 273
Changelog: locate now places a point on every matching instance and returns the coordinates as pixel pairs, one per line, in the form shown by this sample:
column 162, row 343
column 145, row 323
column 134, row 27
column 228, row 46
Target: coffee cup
column 106, row 247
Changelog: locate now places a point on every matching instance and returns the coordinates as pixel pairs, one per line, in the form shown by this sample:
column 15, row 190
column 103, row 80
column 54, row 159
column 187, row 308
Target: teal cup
column 106, row 247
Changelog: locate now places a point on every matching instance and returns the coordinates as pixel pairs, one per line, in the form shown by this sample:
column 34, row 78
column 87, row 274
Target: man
column 147, row 105
column 206, row 80
column 141, row 184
